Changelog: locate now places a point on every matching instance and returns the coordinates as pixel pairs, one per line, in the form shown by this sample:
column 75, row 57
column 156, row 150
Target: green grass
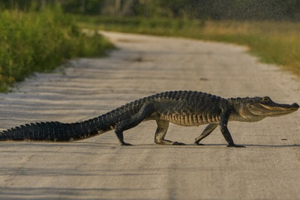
column 40, row 41
column 273, row 42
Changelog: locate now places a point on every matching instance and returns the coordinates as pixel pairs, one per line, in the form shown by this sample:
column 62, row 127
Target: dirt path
column 97, row 168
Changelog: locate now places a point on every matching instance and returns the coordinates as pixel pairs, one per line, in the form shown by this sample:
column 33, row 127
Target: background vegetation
column 193, row 9
column 39, row 41
column 38, row 34
column 276, row 42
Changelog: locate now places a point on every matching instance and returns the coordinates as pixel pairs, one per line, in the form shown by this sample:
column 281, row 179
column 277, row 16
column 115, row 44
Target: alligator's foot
column 234, row 145
column 168, row 142
column 126, row 144
column 197, row 143
column 178, row 143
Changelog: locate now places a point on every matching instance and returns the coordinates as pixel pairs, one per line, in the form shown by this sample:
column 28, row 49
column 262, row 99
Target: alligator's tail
column 56, row 131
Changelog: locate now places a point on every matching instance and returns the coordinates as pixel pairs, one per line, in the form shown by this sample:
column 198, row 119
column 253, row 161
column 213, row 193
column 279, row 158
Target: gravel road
column 98, row 168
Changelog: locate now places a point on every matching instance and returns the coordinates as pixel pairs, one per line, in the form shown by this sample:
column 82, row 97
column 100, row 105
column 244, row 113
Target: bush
column 40, row 41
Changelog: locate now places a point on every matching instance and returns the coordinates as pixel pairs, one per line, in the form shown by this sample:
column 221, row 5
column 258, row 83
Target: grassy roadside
column 40, row 41
column 273, row 42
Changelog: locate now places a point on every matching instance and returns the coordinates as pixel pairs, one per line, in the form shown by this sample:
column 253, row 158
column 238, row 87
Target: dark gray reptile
column 186, row 108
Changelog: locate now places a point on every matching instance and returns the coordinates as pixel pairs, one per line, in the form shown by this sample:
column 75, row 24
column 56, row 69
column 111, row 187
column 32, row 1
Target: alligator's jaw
column 272, row 109
column 280, row 109
column 257, row 108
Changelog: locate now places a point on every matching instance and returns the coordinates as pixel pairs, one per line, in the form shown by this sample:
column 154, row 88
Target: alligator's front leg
column 161, row 131
column 223, row 126
column 208, row 130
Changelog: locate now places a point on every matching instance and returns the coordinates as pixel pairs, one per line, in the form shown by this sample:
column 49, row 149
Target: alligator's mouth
column 272, row 109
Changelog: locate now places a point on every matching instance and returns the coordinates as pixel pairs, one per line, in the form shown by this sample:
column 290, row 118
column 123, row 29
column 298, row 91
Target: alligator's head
column 258, row 108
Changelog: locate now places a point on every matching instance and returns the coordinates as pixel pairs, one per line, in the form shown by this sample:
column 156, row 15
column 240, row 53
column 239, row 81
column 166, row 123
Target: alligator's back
column 188, row 108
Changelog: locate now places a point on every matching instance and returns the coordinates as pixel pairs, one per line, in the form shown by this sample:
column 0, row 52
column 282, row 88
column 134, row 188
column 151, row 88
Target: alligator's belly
column 190, row 120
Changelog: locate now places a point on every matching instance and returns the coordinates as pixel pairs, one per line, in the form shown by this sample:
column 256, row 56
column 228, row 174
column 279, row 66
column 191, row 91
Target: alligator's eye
column 266, row 99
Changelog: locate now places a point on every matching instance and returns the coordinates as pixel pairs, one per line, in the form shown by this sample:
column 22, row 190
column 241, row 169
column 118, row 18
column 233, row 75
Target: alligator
column 185, row 108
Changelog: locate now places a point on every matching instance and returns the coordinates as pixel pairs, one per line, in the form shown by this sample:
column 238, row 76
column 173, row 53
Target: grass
column 273, row 42
column 40, row 41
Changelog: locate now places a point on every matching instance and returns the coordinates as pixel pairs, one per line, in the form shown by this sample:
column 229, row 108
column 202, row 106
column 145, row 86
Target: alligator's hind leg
column 161, row 131
column 208, row 130
column 133, row 121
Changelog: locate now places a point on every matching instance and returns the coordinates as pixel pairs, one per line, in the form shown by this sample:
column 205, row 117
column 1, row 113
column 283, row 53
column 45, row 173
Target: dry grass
column 273, row 42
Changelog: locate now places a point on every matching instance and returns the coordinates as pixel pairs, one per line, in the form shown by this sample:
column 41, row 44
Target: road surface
column 98, row 168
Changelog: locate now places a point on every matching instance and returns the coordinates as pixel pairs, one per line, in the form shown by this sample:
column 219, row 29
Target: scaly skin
column 185, row 108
